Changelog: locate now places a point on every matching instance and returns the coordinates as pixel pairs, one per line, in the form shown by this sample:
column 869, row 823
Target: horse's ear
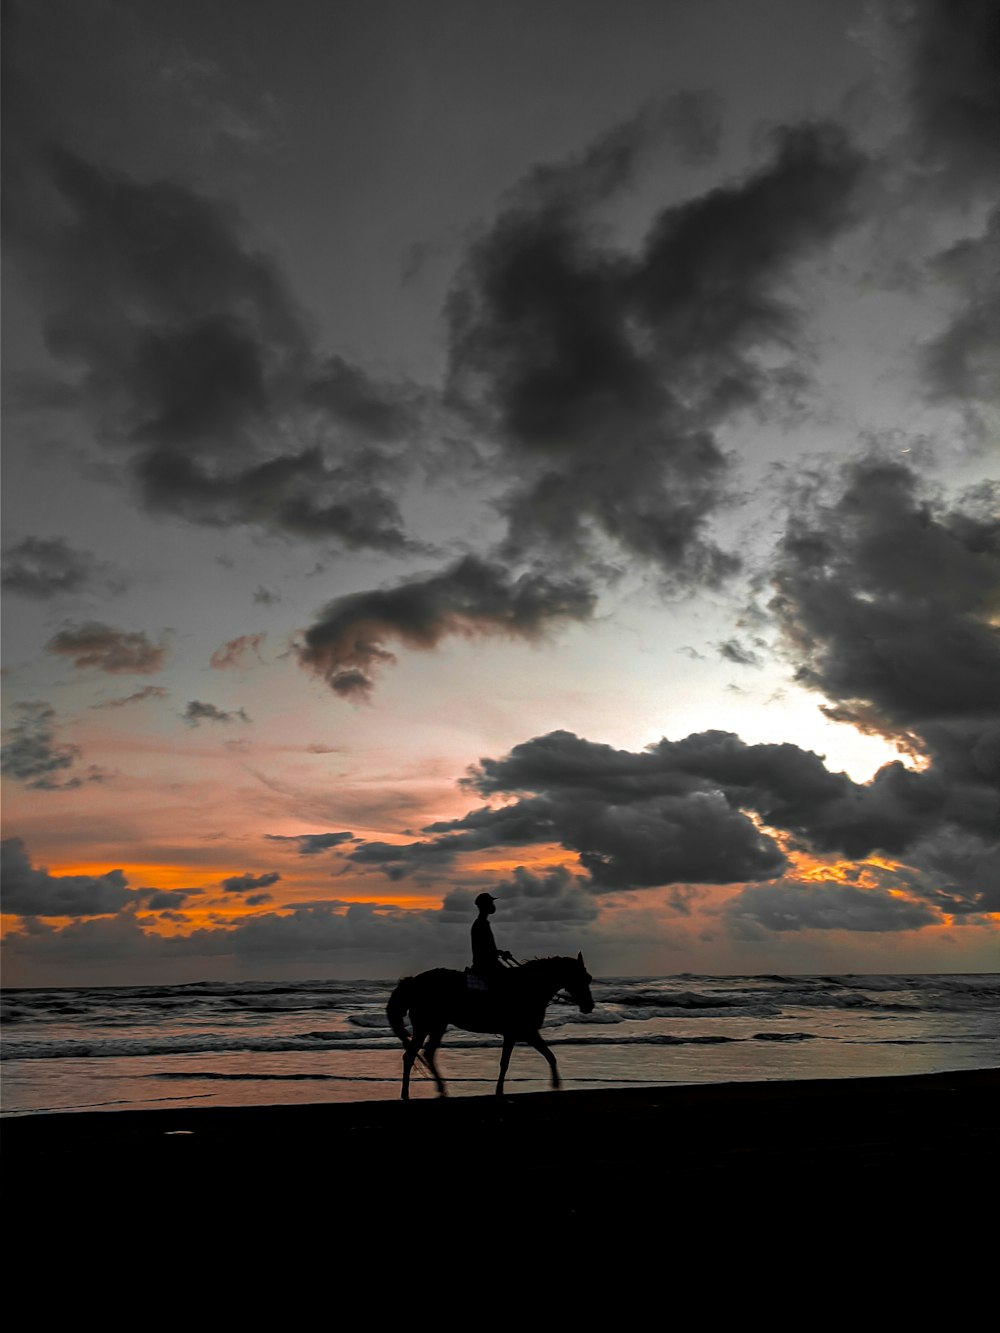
column 579, row 959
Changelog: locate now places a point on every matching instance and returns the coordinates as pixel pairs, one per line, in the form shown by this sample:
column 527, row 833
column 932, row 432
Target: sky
column 548, row 447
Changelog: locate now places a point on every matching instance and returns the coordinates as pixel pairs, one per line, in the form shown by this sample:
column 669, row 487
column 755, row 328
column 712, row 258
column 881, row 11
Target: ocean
column 254, row 1042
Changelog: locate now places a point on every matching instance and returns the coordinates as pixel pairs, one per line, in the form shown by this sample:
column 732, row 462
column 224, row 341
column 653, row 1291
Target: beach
column 674, row 1164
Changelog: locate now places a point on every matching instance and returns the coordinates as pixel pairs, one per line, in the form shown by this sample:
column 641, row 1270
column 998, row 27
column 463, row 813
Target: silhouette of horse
column 514, row 1008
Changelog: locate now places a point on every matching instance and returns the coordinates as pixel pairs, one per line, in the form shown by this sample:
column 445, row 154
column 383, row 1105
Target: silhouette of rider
column 487, row 959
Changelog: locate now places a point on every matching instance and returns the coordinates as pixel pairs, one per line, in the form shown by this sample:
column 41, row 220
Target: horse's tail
column 398, row 1007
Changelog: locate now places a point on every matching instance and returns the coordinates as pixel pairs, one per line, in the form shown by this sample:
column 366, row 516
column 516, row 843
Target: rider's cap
column 485, row 898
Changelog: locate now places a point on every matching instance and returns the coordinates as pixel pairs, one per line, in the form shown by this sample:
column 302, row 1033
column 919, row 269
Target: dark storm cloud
column 311, row 844
column 231, row 654
column 33, row 756
column 520, row 825
column 245, row 883
column 47, row 567
column 964, row 870
column 962, row 364
column 473, row 598
column 31, row 891
column 788, row 906
column 603, row 374
column 189, row 350
column 953, row 49
column 680, row 812
column 139, row 697
column 707, row 779
column 634, row 820
column 890, row 600
column 166, row 901
column 351, row 396
column 116, row 651
column 197, row 712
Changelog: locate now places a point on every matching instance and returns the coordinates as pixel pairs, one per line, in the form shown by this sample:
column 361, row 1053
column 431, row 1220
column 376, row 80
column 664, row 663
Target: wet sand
column 763, row 1169
column 588, row 1145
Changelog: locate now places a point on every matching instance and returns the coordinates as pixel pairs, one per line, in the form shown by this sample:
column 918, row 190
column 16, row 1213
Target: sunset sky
column 543, row 446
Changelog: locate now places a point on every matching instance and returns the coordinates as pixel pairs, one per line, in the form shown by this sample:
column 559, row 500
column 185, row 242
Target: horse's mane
column 548, row 962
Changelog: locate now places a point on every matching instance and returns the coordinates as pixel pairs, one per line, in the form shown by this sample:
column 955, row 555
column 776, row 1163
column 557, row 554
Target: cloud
column 734, row 651
column 633, row 820
column 789, row 906
column 602, row 375
column 116, row 651
column 246, row 882
column 189, row 351
column 949, row 52
column 961, row 363
column 43, row 568
column 788, row 788
column 30, row 891
column 472, row 598
column 232, row 653
column 523, row 824
column 554, row 898
column 32, row 755
column 710, row 809
column 197, row 712
column 964, row 871
column 311, row 844
column 888, row 598
column 167, row 901
column 382, row 933
column 301, row 939
column 139, row 697
column 953, row 84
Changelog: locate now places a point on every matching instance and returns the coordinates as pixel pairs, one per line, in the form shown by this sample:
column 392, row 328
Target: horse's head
column 577, row 983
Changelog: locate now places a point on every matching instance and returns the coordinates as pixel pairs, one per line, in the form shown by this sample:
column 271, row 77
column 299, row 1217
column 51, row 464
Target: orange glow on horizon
column 142, row 874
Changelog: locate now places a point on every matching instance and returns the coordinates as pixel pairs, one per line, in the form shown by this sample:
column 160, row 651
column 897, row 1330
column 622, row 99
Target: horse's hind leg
column 410, row 1053
column 542, row 1049
column 433, row 1042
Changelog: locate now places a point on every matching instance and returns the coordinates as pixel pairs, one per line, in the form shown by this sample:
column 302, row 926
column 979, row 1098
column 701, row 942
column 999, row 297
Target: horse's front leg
column 508, row 1046
column 542, row 1049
